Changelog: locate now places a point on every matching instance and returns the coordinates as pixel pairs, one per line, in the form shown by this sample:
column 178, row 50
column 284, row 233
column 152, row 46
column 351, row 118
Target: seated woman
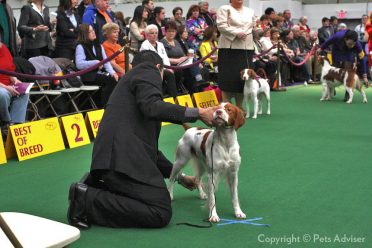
column 88, row 53
column 208, row 44
column 111, row 45
column 151, row 43
column 177, row 55
column 13, row 105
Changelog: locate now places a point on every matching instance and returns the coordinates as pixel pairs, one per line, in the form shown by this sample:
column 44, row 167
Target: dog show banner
column 34, row 139
column 170, row 100
column 205, row 99
column 92, row 121
column 2, row 151
column 185, row 101
column 75, row 130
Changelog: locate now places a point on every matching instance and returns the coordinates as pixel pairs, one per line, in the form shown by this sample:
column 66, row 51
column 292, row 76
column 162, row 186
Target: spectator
column 97, row 15
column 126, row 185
column 137, row 27
column 333, row 20
column 369, row 40
column 159, row 21
column 151, row 43
column 68, row 23
column 149, row 5
column 325, row 31
column 235, row 48
column 34, row 27
column 111, row 45
column 361, row 30
column 8, row 32
column 123, row 34
column 204, row 12
column 13, row 105
column 182, row 37
column 177, row 55
column 270, row 12
column 82, row 6
column 178, row 16
column 195, row 25
column 88, row 53
column 278, row 22
column 208, row 44
column 341, row 26
column 264, row 22
column 303, row 24
column 288, row 23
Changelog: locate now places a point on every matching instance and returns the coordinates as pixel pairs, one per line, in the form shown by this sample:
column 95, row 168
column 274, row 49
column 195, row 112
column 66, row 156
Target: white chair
column 25, row 230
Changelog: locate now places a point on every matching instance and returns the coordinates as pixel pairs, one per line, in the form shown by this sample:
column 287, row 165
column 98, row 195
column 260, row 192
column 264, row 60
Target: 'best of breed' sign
column 2, row 151
column 34, row 139
column 93, row 119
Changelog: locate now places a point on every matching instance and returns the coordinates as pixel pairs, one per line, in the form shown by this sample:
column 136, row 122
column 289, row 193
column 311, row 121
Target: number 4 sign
column 75, row 130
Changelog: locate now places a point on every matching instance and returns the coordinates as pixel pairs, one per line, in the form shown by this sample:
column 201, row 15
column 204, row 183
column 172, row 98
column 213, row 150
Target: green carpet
column 304, row 170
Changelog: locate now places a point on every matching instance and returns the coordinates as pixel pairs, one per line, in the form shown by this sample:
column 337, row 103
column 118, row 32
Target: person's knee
column 5, row 97
column 163, row 218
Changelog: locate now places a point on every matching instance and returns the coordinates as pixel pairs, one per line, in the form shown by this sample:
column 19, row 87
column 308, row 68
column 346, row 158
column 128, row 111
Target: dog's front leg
column 255, row 102
column 232, row 180
column 246, row 96
column 212, row 184
column 325, row 91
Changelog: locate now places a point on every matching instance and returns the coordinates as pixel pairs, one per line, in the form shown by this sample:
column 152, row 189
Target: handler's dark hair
column 148, row 56
column 351, row 35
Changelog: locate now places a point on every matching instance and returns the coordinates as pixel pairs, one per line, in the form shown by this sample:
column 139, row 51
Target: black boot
column 4, row 130
column 76, row 214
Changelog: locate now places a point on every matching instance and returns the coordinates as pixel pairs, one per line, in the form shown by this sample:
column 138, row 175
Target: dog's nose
column 218, row 112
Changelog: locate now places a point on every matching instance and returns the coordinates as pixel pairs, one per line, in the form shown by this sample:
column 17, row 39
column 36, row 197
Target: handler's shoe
column 76, row 214
column 187, row 181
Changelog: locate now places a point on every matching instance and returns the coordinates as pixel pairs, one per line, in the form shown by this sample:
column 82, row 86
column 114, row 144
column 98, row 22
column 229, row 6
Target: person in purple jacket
column 346, row 50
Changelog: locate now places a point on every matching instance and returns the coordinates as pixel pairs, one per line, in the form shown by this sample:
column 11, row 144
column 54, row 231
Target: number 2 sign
column 75, row 130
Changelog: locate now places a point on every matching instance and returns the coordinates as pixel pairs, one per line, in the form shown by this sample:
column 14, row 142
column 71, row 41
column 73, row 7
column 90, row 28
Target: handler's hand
column 206, row 115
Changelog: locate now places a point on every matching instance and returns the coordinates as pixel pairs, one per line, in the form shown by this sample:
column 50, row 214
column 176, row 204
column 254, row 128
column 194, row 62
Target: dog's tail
column 186, row 126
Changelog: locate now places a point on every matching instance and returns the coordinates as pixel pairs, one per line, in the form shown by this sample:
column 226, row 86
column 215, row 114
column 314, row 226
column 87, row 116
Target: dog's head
column 228, row 115
column 323, row 60
column 246, row 74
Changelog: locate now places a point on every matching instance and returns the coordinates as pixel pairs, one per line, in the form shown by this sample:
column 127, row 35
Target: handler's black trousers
column 120, row 201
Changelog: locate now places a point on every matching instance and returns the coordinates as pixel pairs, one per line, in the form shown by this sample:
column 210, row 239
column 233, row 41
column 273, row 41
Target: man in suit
column 126, row 185
column 325, row 31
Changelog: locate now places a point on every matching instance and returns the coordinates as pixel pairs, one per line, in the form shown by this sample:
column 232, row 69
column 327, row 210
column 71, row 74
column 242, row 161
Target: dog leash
column 209, row 225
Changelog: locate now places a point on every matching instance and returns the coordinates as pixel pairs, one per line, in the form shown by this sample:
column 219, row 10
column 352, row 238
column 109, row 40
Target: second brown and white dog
column 215, row 151
column 255, row 88
column 332, row 77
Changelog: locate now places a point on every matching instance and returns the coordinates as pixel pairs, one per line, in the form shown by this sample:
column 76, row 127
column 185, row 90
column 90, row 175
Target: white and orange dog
column 255, row 88
column 215, row 151
column 332, row 77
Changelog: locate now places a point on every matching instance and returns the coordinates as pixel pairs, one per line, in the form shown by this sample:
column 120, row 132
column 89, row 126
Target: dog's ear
column 321, row 60
column 241, row 74
column 251, row 73
column 239, row 118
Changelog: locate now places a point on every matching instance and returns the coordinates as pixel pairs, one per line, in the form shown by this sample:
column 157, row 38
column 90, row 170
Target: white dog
column 255, row 87
column 332, row 77
column 215, row 151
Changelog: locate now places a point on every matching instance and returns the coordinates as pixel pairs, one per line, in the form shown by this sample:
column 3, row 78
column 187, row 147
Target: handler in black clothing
column 126, row 185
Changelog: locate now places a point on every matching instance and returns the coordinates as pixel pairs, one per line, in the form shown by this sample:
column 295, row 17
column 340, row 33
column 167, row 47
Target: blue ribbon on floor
column 244, row 222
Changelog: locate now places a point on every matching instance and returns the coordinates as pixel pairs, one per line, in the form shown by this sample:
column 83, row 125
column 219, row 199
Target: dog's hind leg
column 260, row 104
column 359, row 87
column 351, row 94
column 199, row 171
column 183, row 155
column 232, row 180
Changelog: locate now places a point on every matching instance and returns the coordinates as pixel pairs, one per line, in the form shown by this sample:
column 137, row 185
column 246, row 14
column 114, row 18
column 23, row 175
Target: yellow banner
column 2, row 151
column 92, row 121
column 75, row 130
column 205, row 99
column 170, row 100
column 185, row 100
column 37, row 138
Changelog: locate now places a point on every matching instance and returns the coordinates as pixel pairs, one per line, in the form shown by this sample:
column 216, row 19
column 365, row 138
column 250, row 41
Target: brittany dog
column 255, row 88
column 332, row 77
column 215, row 151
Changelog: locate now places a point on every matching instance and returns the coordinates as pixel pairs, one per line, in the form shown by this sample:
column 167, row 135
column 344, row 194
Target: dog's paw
column 365, row 101
column 260, row 112
column 247, row 116
column 203, row 195
column 349, row 101
column 254, row 117
column 268, row 112
column 240, row 215
column 214, row 218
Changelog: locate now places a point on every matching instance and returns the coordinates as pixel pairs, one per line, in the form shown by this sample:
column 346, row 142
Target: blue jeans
column 12, row 108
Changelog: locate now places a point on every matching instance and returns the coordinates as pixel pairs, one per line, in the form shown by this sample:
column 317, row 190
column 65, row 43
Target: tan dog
column 255, row 88
column 215, row 151
column 332, row 77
